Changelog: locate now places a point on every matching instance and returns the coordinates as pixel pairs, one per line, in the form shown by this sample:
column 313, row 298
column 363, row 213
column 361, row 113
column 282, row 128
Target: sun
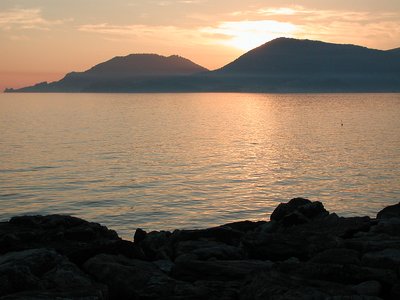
column 246, row 35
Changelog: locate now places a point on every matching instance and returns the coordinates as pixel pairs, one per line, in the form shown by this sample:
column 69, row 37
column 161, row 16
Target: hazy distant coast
column 281, row 65
column 303, row 252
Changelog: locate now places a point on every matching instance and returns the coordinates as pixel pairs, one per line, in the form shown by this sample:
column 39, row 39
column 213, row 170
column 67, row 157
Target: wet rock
column 192, row 270
column 388, row 212
column 44, row 271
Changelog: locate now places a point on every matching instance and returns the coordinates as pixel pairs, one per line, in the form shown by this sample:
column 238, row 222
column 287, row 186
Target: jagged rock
column 388, row 212
column 192, row 270
column 139, row 236
column 44, row 271
column 340, row 256
column 302, row 253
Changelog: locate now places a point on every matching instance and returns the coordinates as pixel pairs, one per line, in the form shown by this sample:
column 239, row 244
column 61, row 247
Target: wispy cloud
column 26, row 19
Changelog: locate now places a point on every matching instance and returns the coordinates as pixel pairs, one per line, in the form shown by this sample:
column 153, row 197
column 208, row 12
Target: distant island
column 281, row 65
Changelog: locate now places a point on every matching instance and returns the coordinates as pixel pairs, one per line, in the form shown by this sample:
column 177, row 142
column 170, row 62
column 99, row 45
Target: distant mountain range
column 281, row 65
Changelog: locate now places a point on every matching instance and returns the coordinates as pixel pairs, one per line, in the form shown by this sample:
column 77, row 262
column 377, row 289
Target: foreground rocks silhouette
column 304, row 252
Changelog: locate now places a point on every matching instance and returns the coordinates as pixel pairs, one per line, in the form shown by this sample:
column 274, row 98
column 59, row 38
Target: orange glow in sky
column 43, row 40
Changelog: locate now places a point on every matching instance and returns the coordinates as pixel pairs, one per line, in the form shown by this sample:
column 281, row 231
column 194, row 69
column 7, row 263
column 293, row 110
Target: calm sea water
column 166, row 161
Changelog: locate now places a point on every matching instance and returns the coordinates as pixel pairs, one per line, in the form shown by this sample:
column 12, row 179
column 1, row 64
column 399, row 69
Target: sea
column 184, row 161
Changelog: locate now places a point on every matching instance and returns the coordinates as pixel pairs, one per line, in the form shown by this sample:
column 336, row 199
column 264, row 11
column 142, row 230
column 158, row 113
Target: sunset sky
column 41, row 40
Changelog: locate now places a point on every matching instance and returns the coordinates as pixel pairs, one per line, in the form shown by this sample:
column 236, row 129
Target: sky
column 42, row 40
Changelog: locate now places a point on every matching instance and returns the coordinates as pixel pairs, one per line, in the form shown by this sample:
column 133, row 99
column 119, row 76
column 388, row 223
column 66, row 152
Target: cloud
column 247, row 35
column 25, row 19
column 369, row 28
column 155, row 33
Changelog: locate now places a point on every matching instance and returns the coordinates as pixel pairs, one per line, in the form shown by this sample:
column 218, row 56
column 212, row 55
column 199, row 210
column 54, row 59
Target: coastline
column 303, row 252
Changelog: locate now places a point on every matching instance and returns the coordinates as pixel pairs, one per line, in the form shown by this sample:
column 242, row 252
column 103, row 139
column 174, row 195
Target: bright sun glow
column 246, row 35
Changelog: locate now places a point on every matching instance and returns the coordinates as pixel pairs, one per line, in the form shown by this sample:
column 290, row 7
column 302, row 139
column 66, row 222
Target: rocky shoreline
column 303, row 252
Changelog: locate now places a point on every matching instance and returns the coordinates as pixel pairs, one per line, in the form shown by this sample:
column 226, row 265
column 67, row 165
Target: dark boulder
column 298, row 211
column 73, row 237
column 44, row 271
column 388, row 212
column 130, row 278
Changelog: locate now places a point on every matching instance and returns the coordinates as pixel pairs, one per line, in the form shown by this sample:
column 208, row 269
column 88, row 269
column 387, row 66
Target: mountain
column 281, row 65
column 122, row 73
column 286, row 64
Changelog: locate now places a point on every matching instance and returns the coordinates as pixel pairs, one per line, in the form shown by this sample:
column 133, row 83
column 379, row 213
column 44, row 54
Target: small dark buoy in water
column 341, row 122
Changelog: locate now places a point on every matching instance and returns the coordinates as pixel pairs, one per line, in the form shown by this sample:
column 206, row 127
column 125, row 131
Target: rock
column 244, row 226
column 280, row 286
column 130, row 278
column 389, row 226
column 372, row 242
column 395, row 291
column 298, row 211
column 192, row 270
column 139, row 236
column 368, row 288
column 387, row 258
column 44, row 271
column 342, row 274
column 157, row 245
column 388, row 212
column 73, row 237
column 205, row 250
column 164, row 265
column 340, row 256
column 221, row 234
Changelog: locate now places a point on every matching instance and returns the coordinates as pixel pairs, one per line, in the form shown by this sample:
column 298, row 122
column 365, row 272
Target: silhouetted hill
column 122, row 74
column 284, row 55
column 281, row 65
column 146, row 64
column 292, row 65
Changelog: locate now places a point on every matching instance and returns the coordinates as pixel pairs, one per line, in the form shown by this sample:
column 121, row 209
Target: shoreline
column 303, row 252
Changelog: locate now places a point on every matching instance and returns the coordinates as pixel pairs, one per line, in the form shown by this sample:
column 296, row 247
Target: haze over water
column 166, row 161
